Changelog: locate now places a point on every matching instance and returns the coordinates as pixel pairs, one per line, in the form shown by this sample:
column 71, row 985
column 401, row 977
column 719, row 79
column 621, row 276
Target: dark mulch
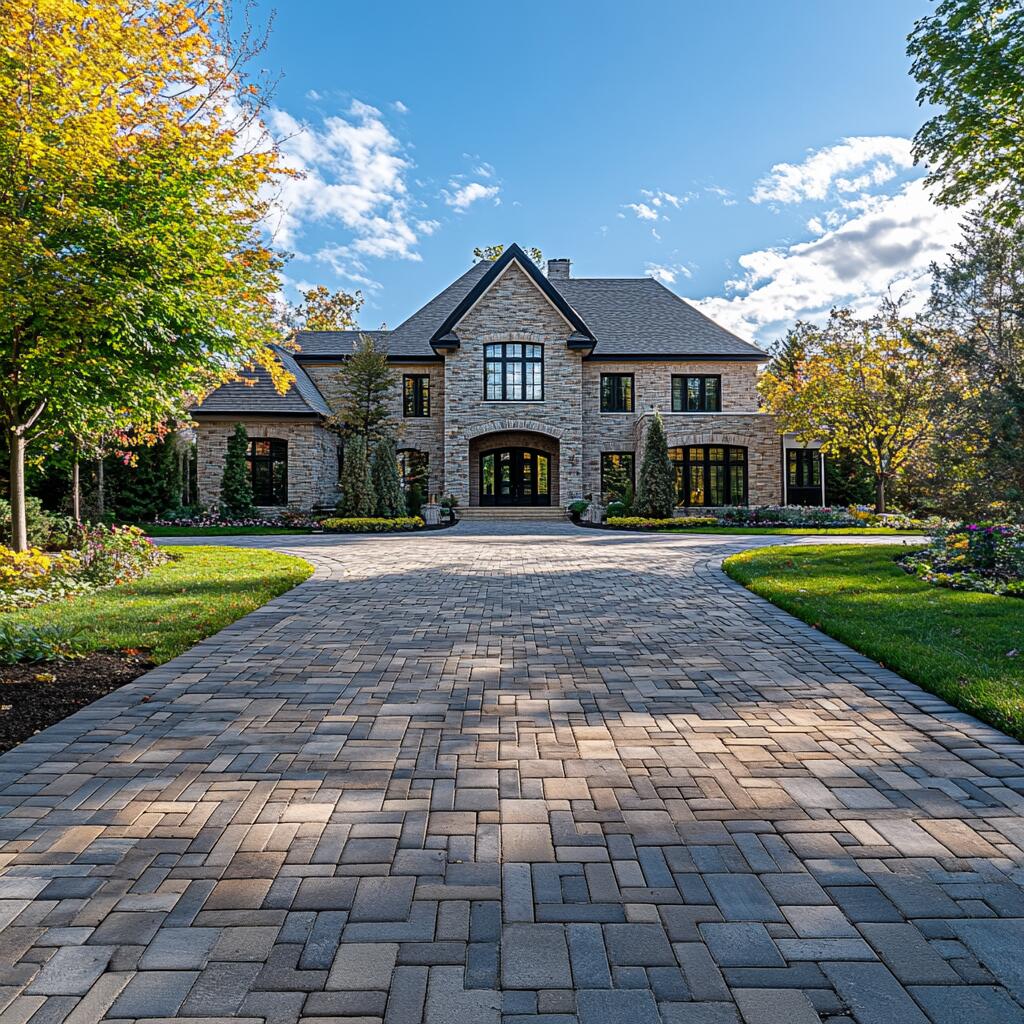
column 33, row 697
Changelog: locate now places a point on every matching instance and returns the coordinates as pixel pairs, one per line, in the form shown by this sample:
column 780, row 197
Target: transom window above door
column 697, row 392
column 616, row 392
column 513, row 372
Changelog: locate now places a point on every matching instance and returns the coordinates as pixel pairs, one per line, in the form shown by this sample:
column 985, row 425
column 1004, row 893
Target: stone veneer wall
column 652, row 389
column 423, row 433
column 512, row 439
column 312, row 458
column 513, row 309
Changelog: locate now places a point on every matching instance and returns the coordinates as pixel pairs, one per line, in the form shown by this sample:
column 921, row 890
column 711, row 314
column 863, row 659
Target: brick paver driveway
column 494, row 774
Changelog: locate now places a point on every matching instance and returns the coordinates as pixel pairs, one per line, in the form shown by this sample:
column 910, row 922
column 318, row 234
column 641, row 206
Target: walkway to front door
column 515, row 476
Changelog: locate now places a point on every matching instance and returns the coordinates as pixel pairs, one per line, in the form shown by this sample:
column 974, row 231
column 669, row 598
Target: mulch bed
column 33, row 697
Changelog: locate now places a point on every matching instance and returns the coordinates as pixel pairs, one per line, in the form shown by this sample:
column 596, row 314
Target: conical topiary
column 387, row 485
column 655, row 493
column 357, row 494
column 236, row 483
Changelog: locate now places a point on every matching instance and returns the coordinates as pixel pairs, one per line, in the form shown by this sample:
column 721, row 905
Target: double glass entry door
column 515, row 476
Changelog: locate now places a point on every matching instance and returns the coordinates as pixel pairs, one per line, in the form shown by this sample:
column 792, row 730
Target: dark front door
column 515, row 476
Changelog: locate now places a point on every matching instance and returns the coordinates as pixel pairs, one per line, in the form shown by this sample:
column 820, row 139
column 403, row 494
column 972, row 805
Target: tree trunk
column 879, row 495
column 76, row 489
column 19, row 532
column 101, row 502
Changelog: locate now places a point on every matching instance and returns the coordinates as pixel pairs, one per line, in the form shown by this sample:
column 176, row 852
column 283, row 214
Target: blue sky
column 753, row 156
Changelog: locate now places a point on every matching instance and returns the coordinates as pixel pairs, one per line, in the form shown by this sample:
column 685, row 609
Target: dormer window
column 513, row 372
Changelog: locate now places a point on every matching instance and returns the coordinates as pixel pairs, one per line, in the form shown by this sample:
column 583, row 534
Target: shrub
column 645, row 523
column 37, row 643
column 578, row 507
column 986, row 557
column 372, row 524
column 236, row 483
column 44, row 528
column 357, row 495
column 655, row 492
column 387, row 484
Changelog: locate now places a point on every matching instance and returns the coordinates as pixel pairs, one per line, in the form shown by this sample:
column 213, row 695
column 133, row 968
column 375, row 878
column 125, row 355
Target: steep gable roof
column 444, row 334
column 260, row 397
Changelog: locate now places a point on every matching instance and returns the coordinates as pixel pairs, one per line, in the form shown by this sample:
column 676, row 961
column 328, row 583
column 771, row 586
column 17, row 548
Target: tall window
column 616, row 392
column 710, row 474
column 697, row 393
column 414, row 469
column 268, row 468
column 416, row 394
column 513, row 372
column 803, row 467
column 614, row 464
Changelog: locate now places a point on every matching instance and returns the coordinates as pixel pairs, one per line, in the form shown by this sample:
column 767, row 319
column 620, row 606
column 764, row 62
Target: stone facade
column 312, row 458
column 567, row 423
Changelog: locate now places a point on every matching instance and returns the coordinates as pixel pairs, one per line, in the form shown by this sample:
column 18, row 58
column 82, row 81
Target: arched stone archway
column 516, row 439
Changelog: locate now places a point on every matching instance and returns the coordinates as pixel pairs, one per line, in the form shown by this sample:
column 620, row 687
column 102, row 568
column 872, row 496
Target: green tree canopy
column 492, row 252
column 366, row 384
column 968, row 58
column 655, row 491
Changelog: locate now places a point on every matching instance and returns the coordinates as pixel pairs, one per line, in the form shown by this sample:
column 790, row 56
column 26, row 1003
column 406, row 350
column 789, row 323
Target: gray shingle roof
column 301, row 399
column 634, row 316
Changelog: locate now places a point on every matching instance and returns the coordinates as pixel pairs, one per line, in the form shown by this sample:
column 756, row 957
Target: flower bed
column 95, row 557
column 641, row 523
column 368, row 524
column 985, row 557
column 212, row 519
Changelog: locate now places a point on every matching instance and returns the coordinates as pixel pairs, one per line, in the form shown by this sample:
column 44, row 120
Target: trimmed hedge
column 373, row 524
column 676, row 523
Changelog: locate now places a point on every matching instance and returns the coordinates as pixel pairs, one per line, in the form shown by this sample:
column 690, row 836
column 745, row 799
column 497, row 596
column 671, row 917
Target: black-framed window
column 613, row 462
column 709, row 474
column 341, row 462
column 513, row 372
column 697, row 392
column 416, row 394
column 803, row 467
column 268, row 469
column 616, row 392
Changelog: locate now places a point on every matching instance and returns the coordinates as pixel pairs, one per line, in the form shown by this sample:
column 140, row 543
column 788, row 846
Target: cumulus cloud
column 667, row 274
column 654, row 202
column 350, row 174
column 462, row 196
column 886, row 245
column 852, row 165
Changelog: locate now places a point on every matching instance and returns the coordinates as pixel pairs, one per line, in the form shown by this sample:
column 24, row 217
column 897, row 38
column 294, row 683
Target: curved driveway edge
column 502, row 772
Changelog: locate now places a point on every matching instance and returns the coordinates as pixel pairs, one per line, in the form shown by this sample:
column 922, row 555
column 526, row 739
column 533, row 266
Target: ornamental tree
column 358, row 497
column 655, row 492
column 133, row 174
column 387, row 485
column 866, row 387
column 236, row 483
column 968, row 57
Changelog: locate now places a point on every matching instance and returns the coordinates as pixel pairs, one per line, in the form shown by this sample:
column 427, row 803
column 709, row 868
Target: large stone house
column 523, row 388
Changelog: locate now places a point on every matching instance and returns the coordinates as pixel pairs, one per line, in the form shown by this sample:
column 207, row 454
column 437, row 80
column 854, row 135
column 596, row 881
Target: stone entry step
column 504, row 513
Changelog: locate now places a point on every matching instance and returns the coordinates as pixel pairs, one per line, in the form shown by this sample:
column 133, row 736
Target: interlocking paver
column 520, row 773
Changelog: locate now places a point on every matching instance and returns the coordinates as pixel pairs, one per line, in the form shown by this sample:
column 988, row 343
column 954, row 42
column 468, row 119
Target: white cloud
column 722, row 193
column 642, row 210
column 654, row 204
column 400, row 107
column 667, row 274
column 484, row 170
column 879, row 158
column 888, row 246
column 351, row 174
column 461, row 197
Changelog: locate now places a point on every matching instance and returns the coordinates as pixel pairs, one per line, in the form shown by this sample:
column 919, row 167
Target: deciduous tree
column 491, row 252
column 133, row 174
column 867, row 387
column 324, row 310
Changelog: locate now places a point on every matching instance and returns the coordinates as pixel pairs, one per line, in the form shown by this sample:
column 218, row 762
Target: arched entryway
column 513, row 468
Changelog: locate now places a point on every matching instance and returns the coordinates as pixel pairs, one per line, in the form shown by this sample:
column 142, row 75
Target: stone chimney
column 558, row 270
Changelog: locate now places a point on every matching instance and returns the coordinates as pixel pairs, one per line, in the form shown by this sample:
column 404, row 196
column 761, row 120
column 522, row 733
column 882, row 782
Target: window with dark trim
column 616, row 392
column 341, row 462
column 416, row 394
column 414, row 469
column 615, row 461
column 803, row 467
column 268, row 470
column 697, row 392
column 709, row 474
column 513, row 372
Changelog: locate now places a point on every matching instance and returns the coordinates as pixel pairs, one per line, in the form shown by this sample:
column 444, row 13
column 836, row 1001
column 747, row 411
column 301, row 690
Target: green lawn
column 201, row 590
column 820, row 531
column 967, row 648
column 215, row 531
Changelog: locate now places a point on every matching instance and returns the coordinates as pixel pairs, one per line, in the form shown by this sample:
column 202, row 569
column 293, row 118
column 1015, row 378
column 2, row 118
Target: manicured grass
column 201, row 590
column 967, row 648
column 216, row 531
column 820, row 531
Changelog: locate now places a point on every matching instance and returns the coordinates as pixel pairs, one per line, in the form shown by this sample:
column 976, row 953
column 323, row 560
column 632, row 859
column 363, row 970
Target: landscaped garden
column 967, row 646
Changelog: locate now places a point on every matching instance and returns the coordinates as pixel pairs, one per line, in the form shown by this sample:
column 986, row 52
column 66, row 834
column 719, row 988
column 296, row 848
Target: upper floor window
column 513, row 372
column 616, row 392
column 697, row 393
column 268, row 468
column 416, row 394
